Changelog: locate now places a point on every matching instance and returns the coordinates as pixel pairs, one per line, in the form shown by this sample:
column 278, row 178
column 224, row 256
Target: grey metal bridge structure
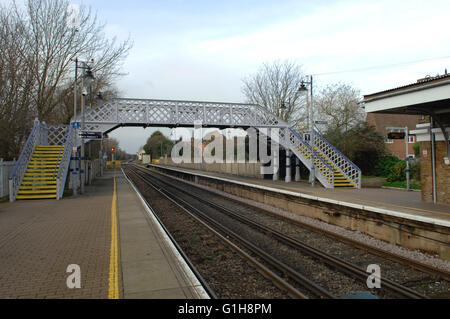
column 332, row 168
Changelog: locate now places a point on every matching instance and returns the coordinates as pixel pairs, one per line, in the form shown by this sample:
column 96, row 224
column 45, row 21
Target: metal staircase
column 42, row 167
column 346, row 173
column 332, row 168
column 40, row 177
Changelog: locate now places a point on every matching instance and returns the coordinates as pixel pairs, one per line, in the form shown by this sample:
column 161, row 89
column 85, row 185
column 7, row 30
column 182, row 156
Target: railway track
column 387, row 255
column 160, row 183
column 226, row 233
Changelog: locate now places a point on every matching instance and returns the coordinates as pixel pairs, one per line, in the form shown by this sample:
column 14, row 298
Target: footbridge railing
column 65, row 162
column 345, row 166
column 15, row 179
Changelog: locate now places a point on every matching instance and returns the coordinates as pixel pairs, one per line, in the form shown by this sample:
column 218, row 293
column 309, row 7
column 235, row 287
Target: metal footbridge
column 332, row 168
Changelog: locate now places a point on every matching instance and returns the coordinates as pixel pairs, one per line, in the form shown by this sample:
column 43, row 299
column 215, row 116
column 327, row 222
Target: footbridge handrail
column 64, row 163
column 346, row 166
column 18, row 172
column 174, row 113
column 324, row 168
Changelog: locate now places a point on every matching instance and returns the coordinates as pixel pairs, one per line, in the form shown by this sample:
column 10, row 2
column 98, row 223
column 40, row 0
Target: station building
column 428, row 98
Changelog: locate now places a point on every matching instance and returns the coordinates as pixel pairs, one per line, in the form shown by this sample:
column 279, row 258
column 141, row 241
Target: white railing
column 6, row 168
column 139, row 112
column 292, row 140
column 339, row 160
column 324, row 172
column 35, row 138
column 65, row 162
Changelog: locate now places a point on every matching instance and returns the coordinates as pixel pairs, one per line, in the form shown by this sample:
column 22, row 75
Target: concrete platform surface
column 40, row 239
column 402, row 201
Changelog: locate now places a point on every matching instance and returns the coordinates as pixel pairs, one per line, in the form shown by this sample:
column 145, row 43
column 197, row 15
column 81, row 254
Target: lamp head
column 302, row 87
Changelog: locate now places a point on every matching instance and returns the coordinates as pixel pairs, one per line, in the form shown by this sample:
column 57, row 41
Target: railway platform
column 408, row 203
column 104, row 241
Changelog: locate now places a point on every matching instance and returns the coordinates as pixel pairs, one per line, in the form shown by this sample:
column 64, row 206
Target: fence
column 242, row 169
column 5, row 170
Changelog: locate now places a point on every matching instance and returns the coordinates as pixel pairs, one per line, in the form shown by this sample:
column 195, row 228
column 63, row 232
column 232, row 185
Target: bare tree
column 276, row 85
column 339, row 105
column 54, row 44
column 16, row 85
column 38, row 48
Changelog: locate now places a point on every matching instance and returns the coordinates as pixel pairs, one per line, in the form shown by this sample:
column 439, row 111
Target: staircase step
column 39, row 179
column 344, row 185
column 31, row 192
column 36, row 196
column 37, row 187
column 40, row 174
column 44, row 156
column 43, row 162
column 39, row 183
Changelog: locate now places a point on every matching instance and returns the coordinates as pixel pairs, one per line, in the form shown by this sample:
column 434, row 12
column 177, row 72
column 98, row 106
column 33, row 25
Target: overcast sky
column 201, row 50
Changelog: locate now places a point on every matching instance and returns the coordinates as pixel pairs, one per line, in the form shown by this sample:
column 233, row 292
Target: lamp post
column 304, row 89
column 88, row 76
column 73, row 165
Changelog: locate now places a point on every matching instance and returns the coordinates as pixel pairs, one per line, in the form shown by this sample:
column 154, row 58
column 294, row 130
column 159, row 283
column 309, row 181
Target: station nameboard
column 91, row 135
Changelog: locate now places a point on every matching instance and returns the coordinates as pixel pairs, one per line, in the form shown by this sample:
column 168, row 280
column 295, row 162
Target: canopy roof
column 431, row 94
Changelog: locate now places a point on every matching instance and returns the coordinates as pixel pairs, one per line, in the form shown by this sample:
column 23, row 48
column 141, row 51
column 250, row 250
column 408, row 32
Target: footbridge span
column 332, row 168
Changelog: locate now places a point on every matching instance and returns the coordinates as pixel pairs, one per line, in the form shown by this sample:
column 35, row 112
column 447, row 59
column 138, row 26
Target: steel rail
column 330, row 260
column 299, row 278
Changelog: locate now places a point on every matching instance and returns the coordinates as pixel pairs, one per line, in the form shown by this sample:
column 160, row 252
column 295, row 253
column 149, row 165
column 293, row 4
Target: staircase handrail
column 346, row 159
column 64, row 163
column 298, row 135
column 335, row 149
column 18, row 172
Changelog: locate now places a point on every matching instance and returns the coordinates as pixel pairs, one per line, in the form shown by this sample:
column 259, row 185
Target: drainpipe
column 433, row 160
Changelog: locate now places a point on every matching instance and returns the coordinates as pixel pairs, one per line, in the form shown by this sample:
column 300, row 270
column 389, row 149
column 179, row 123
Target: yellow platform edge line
column 113, row 278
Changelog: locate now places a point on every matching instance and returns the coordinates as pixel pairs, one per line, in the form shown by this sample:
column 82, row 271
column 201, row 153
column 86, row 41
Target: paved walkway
column 390, row 199
column 40, row 239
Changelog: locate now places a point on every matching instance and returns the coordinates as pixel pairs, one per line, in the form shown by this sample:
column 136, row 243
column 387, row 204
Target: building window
column 411, row 139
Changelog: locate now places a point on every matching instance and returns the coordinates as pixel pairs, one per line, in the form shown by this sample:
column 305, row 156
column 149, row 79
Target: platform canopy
column 429, row 96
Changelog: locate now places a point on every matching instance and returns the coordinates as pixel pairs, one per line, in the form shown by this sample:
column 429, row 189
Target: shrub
column 415, row 171
column 397, row 172
column 385, row 165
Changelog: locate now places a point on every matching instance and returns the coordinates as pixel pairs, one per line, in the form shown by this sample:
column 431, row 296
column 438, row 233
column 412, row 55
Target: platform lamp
column 86, row 79
column 303, row 89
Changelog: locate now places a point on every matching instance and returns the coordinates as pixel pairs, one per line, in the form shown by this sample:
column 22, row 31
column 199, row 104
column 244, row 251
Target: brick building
column 383, row 124
column 428, row 98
